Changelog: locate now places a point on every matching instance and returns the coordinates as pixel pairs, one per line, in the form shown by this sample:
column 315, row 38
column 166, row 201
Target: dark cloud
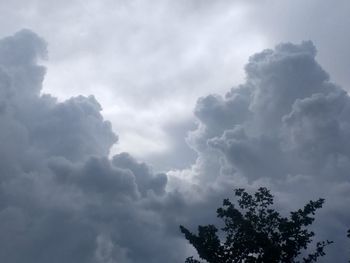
column 114, row 50
column 285, row 127
column 145, row 179
column 62, row 199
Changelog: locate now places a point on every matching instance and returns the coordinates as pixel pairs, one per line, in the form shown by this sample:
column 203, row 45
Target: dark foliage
column 255, row 232
column 348, row 235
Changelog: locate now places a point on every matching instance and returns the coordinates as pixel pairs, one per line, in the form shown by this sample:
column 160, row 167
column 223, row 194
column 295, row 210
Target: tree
column 255, row 232
column 348, row 235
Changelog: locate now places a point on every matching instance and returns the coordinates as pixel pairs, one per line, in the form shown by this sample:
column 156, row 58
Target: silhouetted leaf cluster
column 254, row 232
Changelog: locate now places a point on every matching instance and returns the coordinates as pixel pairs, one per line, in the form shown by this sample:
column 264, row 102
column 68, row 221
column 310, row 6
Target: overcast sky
column 185, row 105
column 147, row 62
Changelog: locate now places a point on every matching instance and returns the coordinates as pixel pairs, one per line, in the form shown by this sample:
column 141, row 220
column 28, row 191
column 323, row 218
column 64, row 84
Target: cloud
column 285, row 127
column 132, row 63
column 62, row 199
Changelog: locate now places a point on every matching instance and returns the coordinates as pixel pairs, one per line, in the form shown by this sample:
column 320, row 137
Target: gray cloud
column 133, row 63
column 285, row 127
column 62, row 199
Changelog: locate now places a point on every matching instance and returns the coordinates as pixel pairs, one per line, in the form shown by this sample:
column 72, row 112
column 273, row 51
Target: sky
column 147, row 62
column 122, row 120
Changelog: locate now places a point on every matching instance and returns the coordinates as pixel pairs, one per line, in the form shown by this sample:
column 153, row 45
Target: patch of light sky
column 147, row 74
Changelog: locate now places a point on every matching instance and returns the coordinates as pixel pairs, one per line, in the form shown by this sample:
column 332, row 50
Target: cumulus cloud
column 62, row 199
column 285, row 127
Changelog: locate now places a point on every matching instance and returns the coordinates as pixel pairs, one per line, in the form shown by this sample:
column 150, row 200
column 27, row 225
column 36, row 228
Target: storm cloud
column 286, row 127
column 64, row 199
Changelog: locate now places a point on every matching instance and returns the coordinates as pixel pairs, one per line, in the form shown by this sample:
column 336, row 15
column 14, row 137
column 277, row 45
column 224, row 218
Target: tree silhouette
column 257, row 233
column 348, row 235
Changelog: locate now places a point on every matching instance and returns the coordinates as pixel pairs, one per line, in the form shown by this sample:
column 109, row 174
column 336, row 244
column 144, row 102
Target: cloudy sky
column 122, row 119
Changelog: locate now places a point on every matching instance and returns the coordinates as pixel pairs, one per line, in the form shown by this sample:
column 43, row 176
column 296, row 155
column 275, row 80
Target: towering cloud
column 62, row 199
column 287, row 127
column 287, row 119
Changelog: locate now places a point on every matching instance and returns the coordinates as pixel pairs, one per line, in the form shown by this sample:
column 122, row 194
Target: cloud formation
column 62, row 199
column 286, row 127
column 133, row 63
